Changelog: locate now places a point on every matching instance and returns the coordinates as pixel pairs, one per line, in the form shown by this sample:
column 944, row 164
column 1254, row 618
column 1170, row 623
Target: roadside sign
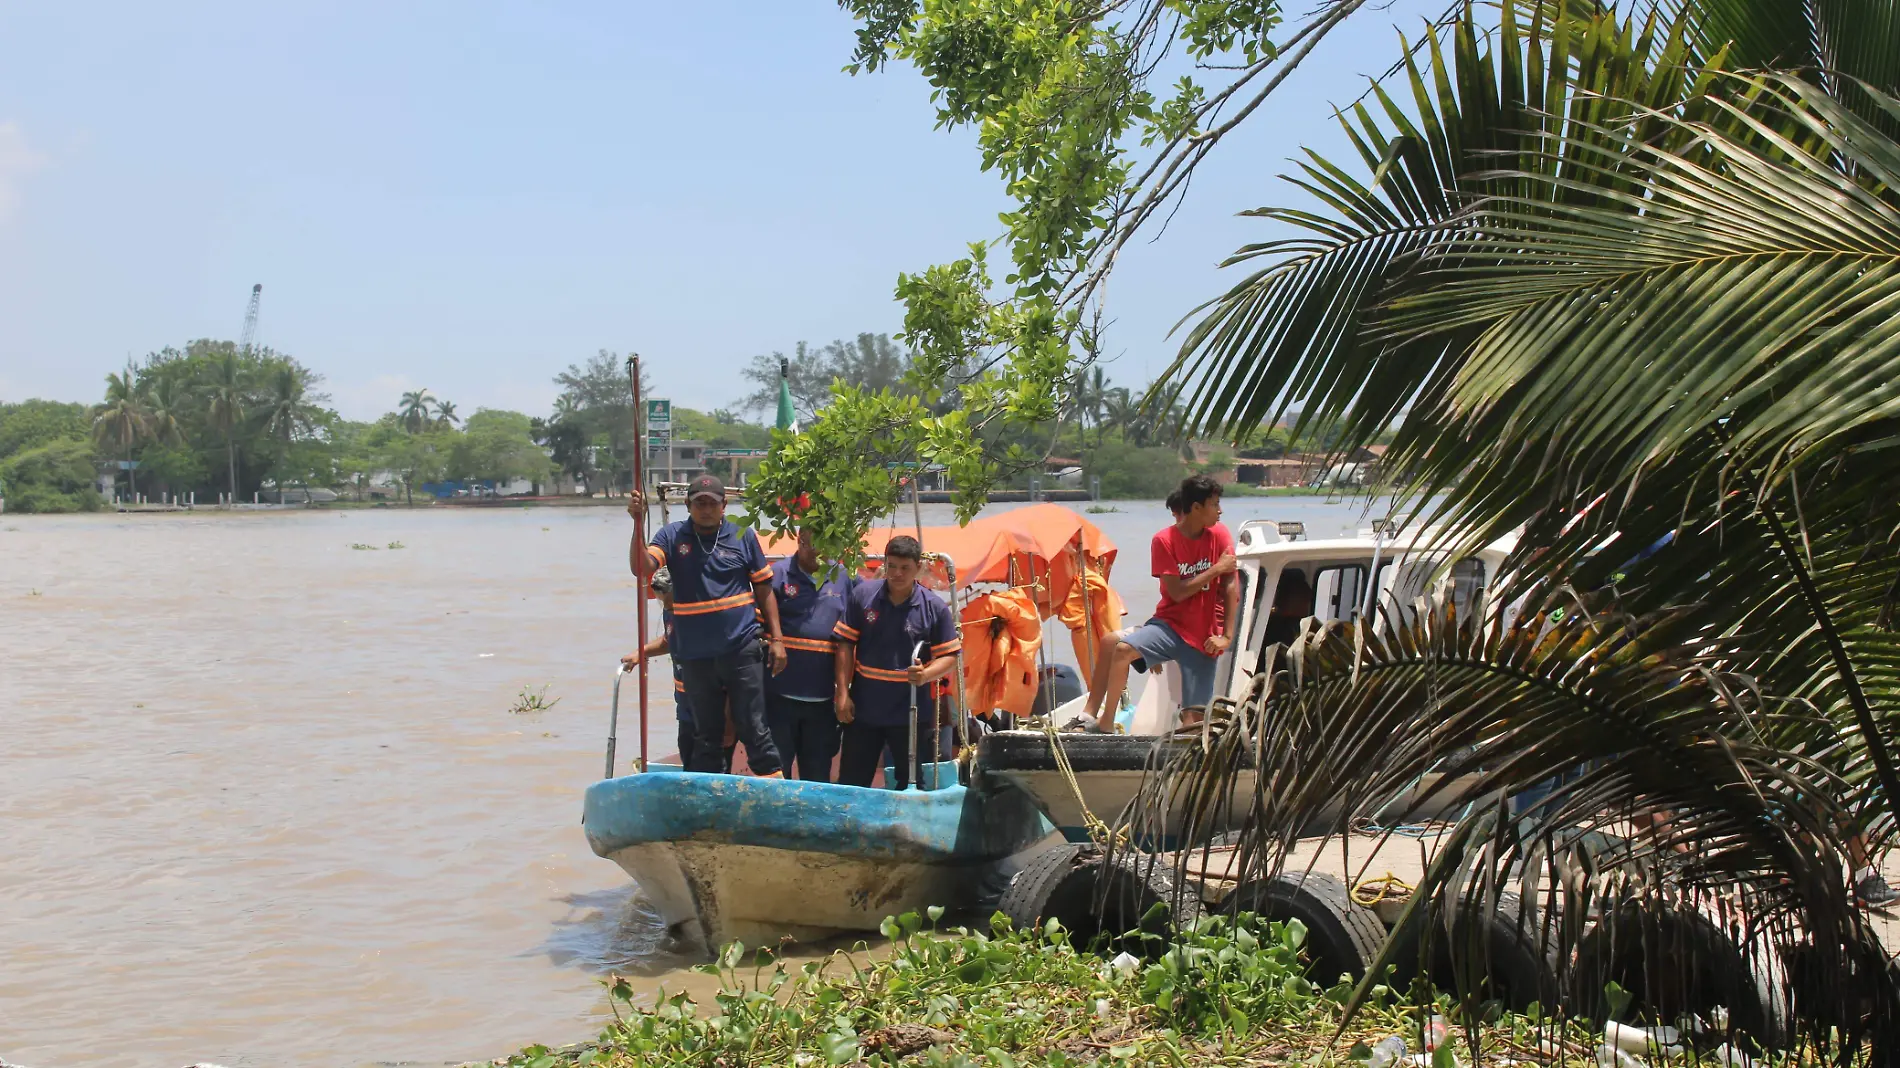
column 735, row 454
column 659, row 415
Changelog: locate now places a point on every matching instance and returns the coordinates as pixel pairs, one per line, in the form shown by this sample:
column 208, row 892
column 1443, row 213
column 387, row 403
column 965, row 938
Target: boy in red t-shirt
column 1194, row 559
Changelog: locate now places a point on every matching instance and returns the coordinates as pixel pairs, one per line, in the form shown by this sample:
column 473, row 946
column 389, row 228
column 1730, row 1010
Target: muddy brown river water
column 263, row 801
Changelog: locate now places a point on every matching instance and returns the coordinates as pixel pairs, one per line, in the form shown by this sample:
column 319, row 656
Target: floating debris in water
column 529, row 700
column 361, row 547
column 397, row 545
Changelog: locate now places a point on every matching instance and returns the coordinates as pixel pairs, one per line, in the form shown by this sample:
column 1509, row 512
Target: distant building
column 1286, row 471
column 684, row 461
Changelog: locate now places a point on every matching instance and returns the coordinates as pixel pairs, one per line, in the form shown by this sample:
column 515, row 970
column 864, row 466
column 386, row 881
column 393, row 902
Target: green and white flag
column 787, row 416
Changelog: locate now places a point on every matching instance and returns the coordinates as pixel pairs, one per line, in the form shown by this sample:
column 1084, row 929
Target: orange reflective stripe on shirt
column 881, row 675
column 849, row 634
column 946, row 648
column 810, row 645
column 700, row 608
column 654, row 554
column 763, row 574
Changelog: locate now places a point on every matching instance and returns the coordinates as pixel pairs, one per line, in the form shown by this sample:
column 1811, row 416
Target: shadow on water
column 612, row 931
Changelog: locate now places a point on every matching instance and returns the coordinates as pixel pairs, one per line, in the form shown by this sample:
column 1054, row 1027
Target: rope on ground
column 1370, row 892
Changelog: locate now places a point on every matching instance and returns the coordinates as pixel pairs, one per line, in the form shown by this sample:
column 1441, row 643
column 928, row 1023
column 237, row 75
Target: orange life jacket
column 1001, row 634
column 1105, row 611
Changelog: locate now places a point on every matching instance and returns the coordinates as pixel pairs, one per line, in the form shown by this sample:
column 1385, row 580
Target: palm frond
column 1298, row 330
column 1665, row 750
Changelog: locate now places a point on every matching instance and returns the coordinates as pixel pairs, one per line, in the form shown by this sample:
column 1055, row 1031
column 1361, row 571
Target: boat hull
column 1108, row 794
column 710, row 894
column 725, row 857
column 1109, row 772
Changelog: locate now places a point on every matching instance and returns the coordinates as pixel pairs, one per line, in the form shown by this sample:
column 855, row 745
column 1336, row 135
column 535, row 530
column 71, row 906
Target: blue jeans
column 1158, row 643
column 738, row 678
column 806, row 733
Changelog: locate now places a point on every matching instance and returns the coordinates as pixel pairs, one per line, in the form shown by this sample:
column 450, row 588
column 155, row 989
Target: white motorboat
column 1379, row 571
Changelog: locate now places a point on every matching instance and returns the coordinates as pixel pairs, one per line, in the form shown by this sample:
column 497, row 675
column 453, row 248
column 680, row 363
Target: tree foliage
column 498, row 446
column 58, row 476
column 870, row 361
column 1634, row 302
column 1068, row 114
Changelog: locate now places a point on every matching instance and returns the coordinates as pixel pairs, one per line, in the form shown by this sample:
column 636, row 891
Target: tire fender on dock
column 1342, row 936
column 1077, row 886
column 1508, row 953
column 1678, row 959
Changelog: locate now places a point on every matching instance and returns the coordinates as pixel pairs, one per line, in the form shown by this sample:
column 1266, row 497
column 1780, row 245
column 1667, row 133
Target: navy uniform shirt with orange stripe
column 808, row 611
column 713, row 609
column 886, row 635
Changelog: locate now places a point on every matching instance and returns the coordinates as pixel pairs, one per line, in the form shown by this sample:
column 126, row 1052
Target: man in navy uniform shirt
column 884, row 620
column 798, row 700
column 721, row 590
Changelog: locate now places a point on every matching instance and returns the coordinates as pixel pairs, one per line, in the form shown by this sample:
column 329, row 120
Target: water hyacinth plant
column 1224, row 991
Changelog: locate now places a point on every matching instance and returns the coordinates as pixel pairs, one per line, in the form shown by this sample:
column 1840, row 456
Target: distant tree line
column 209, row 419
column 1129, row 438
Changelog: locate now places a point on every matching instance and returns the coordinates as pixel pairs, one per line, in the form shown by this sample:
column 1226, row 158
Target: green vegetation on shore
column 210, row 420
column 1227, row 991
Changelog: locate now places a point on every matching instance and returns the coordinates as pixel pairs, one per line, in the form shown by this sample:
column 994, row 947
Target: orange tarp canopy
column 1037, row 538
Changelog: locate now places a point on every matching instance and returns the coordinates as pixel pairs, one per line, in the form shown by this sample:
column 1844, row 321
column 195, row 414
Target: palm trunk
column 230, row 459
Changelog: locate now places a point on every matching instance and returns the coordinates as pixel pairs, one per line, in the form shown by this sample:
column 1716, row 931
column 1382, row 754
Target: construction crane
column 250, row 320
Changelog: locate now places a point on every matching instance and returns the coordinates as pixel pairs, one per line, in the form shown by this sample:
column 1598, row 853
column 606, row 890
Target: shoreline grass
column 1226, row 991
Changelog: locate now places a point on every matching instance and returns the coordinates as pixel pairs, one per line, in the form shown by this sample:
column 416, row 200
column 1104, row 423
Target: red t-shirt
column 1174, row 553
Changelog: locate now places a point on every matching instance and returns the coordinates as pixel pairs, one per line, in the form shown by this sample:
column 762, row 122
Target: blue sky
column 470, row 196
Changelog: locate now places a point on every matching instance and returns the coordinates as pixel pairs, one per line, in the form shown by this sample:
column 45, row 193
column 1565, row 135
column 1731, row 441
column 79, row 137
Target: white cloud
column 17, row 160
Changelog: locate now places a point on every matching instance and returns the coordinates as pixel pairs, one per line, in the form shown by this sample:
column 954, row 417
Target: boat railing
column 613, row 724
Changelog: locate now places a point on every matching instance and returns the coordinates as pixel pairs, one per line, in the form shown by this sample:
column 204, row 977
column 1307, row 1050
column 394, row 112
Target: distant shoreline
column 578, row 501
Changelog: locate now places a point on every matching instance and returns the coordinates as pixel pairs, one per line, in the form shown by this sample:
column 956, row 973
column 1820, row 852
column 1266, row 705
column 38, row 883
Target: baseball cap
column 706, row 486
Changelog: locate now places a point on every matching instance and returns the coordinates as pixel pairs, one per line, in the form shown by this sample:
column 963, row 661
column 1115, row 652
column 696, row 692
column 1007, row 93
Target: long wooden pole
column 640, row 538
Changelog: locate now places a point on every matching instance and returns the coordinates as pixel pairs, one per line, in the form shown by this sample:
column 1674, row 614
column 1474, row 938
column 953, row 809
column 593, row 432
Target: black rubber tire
column 1508, row 954
column 1342, row 936
column 1065, row 883
column 1029, row 751
column 1674, row 961
column 1861, row 1000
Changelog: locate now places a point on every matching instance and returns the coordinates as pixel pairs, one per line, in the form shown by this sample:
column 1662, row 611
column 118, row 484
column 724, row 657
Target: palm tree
column 226, row 394
column 166, row 400
column 1639, row 307
column 445, row 416
column 285, row 412
column 414, row 410
column 1091, row 391
column 1119, row 410
column 122, row 420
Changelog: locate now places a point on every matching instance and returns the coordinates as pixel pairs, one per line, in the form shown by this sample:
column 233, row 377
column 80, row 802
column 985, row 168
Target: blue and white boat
column 731, row 857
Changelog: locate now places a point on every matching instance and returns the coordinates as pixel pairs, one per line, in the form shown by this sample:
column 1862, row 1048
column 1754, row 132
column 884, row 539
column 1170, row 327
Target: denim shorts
column 1159, row 643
